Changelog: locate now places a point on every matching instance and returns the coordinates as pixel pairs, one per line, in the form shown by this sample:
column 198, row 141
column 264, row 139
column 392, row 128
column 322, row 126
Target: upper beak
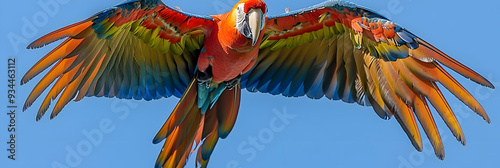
column 256, row 23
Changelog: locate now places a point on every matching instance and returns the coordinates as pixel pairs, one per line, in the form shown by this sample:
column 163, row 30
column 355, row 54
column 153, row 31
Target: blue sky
column 317, row 133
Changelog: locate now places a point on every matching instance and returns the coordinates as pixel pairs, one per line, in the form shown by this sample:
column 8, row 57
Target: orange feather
column 56, row 54
column 68, row 31
column 427, row 122
column 426, row 51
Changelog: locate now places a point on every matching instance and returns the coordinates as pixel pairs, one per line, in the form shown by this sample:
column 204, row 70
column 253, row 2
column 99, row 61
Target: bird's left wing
column 140, row 49
column 345, row 52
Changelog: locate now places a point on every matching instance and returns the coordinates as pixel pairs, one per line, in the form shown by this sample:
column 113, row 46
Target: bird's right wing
column 346, row 52
column 140, row 49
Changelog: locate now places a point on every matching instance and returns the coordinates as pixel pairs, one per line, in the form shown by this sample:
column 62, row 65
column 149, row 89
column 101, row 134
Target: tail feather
column 188, row 126
column 185, row 104
column 185, row 143
column 202, row 163
column 227, row 111
column 209, row 144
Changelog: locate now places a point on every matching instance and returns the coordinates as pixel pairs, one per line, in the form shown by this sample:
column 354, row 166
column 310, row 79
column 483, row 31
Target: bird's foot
column 233, row 82
column 204, row 78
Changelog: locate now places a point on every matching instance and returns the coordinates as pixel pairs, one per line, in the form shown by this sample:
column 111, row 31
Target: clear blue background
column 324, row 133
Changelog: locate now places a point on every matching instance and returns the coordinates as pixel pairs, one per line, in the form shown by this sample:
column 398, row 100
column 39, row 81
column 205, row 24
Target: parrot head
column 251, row 18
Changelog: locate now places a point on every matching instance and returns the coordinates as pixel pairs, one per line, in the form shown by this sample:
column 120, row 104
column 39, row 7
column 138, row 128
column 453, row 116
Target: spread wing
column 345, row 52
column 138, row 49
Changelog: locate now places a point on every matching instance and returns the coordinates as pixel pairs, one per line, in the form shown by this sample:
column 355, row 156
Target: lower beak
column 256, row 24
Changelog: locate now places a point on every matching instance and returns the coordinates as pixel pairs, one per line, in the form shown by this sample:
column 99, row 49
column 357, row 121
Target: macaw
column 146, row 50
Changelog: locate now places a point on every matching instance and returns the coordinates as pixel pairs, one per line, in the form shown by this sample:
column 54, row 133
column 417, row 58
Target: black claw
column 205, row 77
column 232, row 83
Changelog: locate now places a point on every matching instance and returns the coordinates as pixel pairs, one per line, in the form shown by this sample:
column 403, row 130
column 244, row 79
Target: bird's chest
column 225, row 64
column 227, row 57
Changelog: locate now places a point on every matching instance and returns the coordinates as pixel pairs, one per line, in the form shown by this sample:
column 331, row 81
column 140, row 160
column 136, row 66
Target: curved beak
column 256, row 21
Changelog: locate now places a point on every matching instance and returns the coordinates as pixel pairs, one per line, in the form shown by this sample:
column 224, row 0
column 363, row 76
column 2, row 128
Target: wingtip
column 462, row 140
column 419, row 149
column 483, row 82
column 68, row 31
column 439, row 150
column 440, row 154
column 489, row 84
column 429, row 50
column 158, row 165
column 223, row 135
column 40, row 115
column 487, row 119
column 157, row 140
column 26, row 106
column 25, row 78
column 34, row 45
column 418, row 145
column 481, row 112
